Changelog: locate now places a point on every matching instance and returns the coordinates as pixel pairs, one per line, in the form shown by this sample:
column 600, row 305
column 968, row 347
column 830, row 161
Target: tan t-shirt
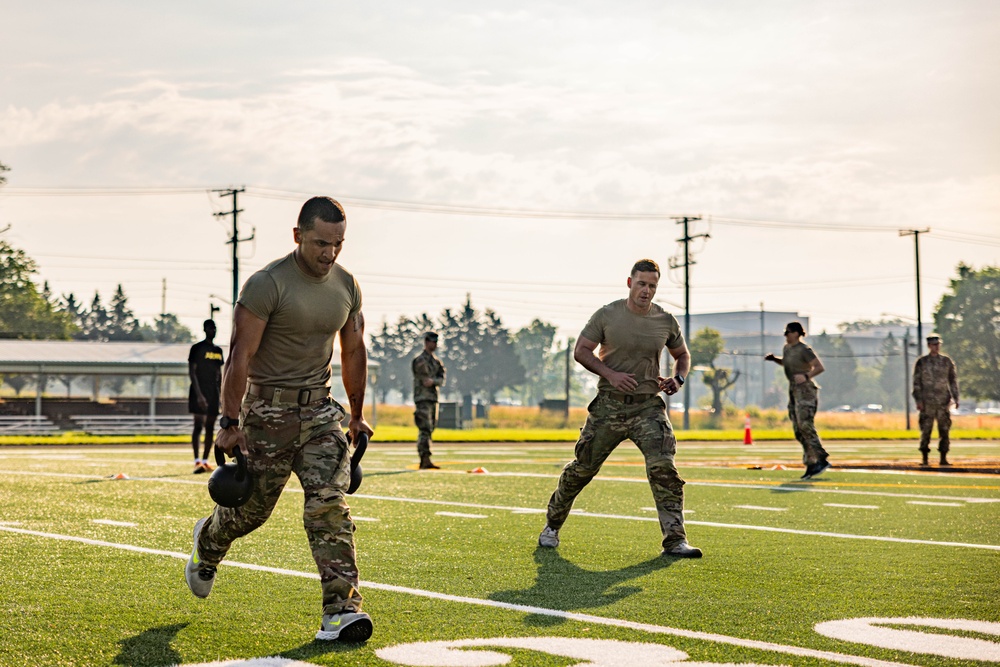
column 796, row 359
column 303, row 315
column 632, row 343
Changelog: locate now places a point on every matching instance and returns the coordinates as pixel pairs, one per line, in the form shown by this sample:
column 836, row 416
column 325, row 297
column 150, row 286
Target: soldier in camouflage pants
column 284, row 438
column 609, row 423
column 803, row 401
column 935, row 386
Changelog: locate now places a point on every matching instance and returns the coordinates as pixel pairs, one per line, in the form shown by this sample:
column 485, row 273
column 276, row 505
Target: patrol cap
column 934, row 338
column 430, row 335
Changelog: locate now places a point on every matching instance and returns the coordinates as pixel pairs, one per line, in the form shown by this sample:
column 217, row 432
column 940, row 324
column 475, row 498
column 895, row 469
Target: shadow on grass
column 150, row 648
column 562, row 585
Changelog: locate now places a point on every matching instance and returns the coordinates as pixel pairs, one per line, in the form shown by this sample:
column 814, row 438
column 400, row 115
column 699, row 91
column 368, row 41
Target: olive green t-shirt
column 796, row 359
column 632, row 343
column 303, row 315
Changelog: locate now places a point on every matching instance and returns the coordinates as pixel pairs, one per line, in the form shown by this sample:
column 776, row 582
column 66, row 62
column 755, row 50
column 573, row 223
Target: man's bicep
column 584, row 344
column 248, row 330
column 352, row 334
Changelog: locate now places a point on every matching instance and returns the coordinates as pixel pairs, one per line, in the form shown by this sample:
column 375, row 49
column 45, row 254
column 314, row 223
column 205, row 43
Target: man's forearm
column 234, row 385
column 682, row 365
column 354, row 365
column 589, row 360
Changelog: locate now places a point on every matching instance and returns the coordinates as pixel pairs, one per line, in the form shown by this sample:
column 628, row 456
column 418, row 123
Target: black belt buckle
column 305, row 396
column 628, row 399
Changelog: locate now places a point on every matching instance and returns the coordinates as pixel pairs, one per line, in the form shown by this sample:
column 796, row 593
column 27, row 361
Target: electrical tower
column 235, row 239
column 676, row 263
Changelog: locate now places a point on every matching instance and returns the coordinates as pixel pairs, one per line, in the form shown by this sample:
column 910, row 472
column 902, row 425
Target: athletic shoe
column 683, row 550
column 199, row 575
column 347, row 626
column 207, row 467
column 199, row 468
column 810, row 471
column 548, row 538
column 820, row 467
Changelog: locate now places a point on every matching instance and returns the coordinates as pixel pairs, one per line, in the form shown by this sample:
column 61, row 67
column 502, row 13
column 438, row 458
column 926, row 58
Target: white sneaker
column 347, row 626
column 549, row 537
column 199, row 576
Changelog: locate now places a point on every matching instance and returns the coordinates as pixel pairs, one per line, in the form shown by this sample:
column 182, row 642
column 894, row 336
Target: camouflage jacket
column 426, row 365
column 935, row 381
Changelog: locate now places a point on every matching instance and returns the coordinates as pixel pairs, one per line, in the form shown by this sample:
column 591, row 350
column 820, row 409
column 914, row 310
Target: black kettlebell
column 231, row 484
column 359, row 451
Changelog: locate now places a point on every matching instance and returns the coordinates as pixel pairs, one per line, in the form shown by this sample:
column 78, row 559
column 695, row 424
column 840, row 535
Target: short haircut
column 645, row 265
column 796, row 327
column 326, row 209
column 208, row 323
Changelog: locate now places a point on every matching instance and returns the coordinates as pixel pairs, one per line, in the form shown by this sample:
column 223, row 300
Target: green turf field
column 872, row 564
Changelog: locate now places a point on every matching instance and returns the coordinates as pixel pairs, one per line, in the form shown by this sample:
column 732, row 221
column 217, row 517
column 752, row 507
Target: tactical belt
column 289, row 394
column 628, row 399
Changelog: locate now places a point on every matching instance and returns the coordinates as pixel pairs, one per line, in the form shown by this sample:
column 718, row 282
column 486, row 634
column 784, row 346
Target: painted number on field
column 592, row 652
column 874, row 632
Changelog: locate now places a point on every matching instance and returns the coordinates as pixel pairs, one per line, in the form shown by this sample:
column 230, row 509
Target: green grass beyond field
column 862, row 566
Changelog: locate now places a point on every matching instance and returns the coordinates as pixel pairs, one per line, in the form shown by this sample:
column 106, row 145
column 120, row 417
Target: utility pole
column 915, row 233
column 235, row 239
column 569, row 356
column 763, row 352
column 163, row 299
column 906, row 371
column 675, row 264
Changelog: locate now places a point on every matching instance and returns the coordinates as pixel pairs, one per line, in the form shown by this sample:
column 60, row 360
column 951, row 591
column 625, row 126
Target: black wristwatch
column 680, row 381
column 229, row 422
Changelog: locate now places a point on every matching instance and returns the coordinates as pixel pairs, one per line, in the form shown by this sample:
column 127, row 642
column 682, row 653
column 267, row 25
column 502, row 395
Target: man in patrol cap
column 935, row 386
column 428, row 375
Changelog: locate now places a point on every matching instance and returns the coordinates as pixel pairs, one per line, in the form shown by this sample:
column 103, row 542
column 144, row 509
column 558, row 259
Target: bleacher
column 26, row 425
column 133, row 424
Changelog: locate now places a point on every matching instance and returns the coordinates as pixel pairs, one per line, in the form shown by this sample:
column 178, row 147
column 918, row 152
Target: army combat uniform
column 630, row 343
column 425, row 399
column 935, row 385
column 803, row 402
column 293, row 425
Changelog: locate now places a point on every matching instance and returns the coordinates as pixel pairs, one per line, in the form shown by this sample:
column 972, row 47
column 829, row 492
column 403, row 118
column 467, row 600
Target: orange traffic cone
column 747, row 437
column 480, row 471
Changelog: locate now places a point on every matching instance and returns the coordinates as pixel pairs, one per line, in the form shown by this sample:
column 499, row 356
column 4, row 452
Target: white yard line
column 863, row 507
column 596, row 515
column 460, row 515
column 525, row 609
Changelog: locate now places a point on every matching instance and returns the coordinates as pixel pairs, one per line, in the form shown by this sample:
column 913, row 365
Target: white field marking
column 713, row 524
column 926, row 502
column 364, row 518
column 459, row 515
column 867, row 631
column 10, row 523
column 526, row 609
column 109, row 522
column 533, row 510
column 776, row 487
column 761, row 507
column 862, row 507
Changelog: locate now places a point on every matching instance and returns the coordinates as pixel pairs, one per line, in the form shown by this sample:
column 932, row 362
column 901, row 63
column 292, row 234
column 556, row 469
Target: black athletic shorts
column 213, row 404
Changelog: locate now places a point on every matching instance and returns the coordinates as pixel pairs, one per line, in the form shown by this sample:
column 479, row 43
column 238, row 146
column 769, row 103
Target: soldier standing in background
column 632, row 333
column 801, row 365
column 428, row 375
column 935, row 385
column 205, row 370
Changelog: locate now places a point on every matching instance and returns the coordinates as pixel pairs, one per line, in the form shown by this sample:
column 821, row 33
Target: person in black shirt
column 205, row 369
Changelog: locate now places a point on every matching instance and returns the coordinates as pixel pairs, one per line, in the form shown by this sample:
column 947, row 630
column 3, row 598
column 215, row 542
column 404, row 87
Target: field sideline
column 874, row 563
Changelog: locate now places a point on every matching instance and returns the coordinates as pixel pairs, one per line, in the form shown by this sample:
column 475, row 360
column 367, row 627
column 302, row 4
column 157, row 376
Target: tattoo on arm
column 359, row 322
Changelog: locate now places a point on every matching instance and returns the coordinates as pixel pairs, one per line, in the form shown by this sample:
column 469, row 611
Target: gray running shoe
column 199, row 575
column 347, row 626
column 683, row 550
column 548, row 538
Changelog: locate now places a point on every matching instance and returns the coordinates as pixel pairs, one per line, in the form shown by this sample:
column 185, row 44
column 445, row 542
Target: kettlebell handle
column 241, row 462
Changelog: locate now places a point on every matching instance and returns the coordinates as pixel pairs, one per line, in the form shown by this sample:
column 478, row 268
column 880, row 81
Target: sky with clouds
column 805, row 134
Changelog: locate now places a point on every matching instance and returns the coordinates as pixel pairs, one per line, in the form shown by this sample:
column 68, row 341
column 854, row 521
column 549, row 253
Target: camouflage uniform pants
column 425, row 417
column 307, row 440
column 928, row 415
column 608, row 424
column 803, row 401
